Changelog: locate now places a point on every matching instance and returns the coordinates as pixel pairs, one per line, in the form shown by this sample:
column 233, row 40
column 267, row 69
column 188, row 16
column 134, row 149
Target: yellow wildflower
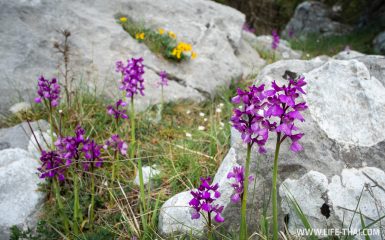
column 184, row 46
column 123, row 19
column 161, row 31
column 139, row 36
column 193, row 55
column 172, row 34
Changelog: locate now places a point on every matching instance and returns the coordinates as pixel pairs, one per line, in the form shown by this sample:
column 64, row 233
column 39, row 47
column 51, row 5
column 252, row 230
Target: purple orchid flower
column 48, row 91
column 238, row 173
column 132, row 76
column 92, row 154
column 52, row 165
column 275, row 43
column 116, row 143
column 116, row 111
column 203, row 199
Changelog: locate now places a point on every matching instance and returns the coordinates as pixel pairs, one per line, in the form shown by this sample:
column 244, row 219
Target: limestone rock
column 342, row 200
column 314, row 17
column 148, row 174
column 19, row 195
column 19, row 135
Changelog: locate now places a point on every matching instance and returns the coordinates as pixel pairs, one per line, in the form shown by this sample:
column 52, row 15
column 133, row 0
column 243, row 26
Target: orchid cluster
column 275, row 110
column 203, row 199
column 116, row 110
column 238, row 174
column 70, row 147
column 275, row 43
column 132, row 76
column 261, row 108
column 52, row 165
column 48, row 91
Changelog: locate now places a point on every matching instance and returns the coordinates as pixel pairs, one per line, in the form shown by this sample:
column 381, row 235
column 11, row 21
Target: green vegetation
column 162, row 42
column 316, row 45
column 177, row 145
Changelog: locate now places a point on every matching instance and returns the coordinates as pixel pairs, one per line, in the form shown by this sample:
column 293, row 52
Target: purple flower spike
column 163, row 79
column 203, row 199
column 260, row 109
column 116, row 111
column 275, row 43
column 238, row 174
column 284, row 106
column 92, row 155
column 116, row 143
column 249, row 119
column 48, row 91
column 52, row 165
column 132, row 76
column 70, row 147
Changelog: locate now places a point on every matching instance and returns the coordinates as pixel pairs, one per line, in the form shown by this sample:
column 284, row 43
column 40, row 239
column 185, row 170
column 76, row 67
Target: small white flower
column 201, row 128
column 218, row 110
column 188, row 135
column 60, row 111
column 201, row 114
column 221, row 124
column 205, row 119
column 221, row 105
column 188, row 111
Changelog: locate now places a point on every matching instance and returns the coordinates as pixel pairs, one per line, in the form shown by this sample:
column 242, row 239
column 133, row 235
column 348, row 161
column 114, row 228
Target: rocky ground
column 344, row 147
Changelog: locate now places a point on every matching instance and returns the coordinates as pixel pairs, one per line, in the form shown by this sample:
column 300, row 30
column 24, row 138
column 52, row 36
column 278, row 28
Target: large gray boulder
column 314, row 17
column 346, row 101
column 379, row 43
column 19, row 136
column 19, row 195
column 29, row 29
column 343, row 198
column 20, row 198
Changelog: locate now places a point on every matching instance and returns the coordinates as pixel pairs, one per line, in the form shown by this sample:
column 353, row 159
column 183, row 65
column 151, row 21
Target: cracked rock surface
column 29, row 29
column 338, row 203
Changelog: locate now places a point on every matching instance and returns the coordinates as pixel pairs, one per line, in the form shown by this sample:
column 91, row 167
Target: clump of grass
column 315, row 45
column 161, row 41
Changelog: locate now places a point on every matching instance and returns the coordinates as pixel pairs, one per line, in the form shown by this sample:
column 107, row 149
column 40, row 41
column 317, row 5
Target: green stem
column 76, row 203
column 210, row 228
column 132, row 118
column 114, row 168
column 51, row 126
column 274, row 188
column 142, row 196
column 60, row 205
column 243, row 228
column 162, row 101
column 92, row 214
